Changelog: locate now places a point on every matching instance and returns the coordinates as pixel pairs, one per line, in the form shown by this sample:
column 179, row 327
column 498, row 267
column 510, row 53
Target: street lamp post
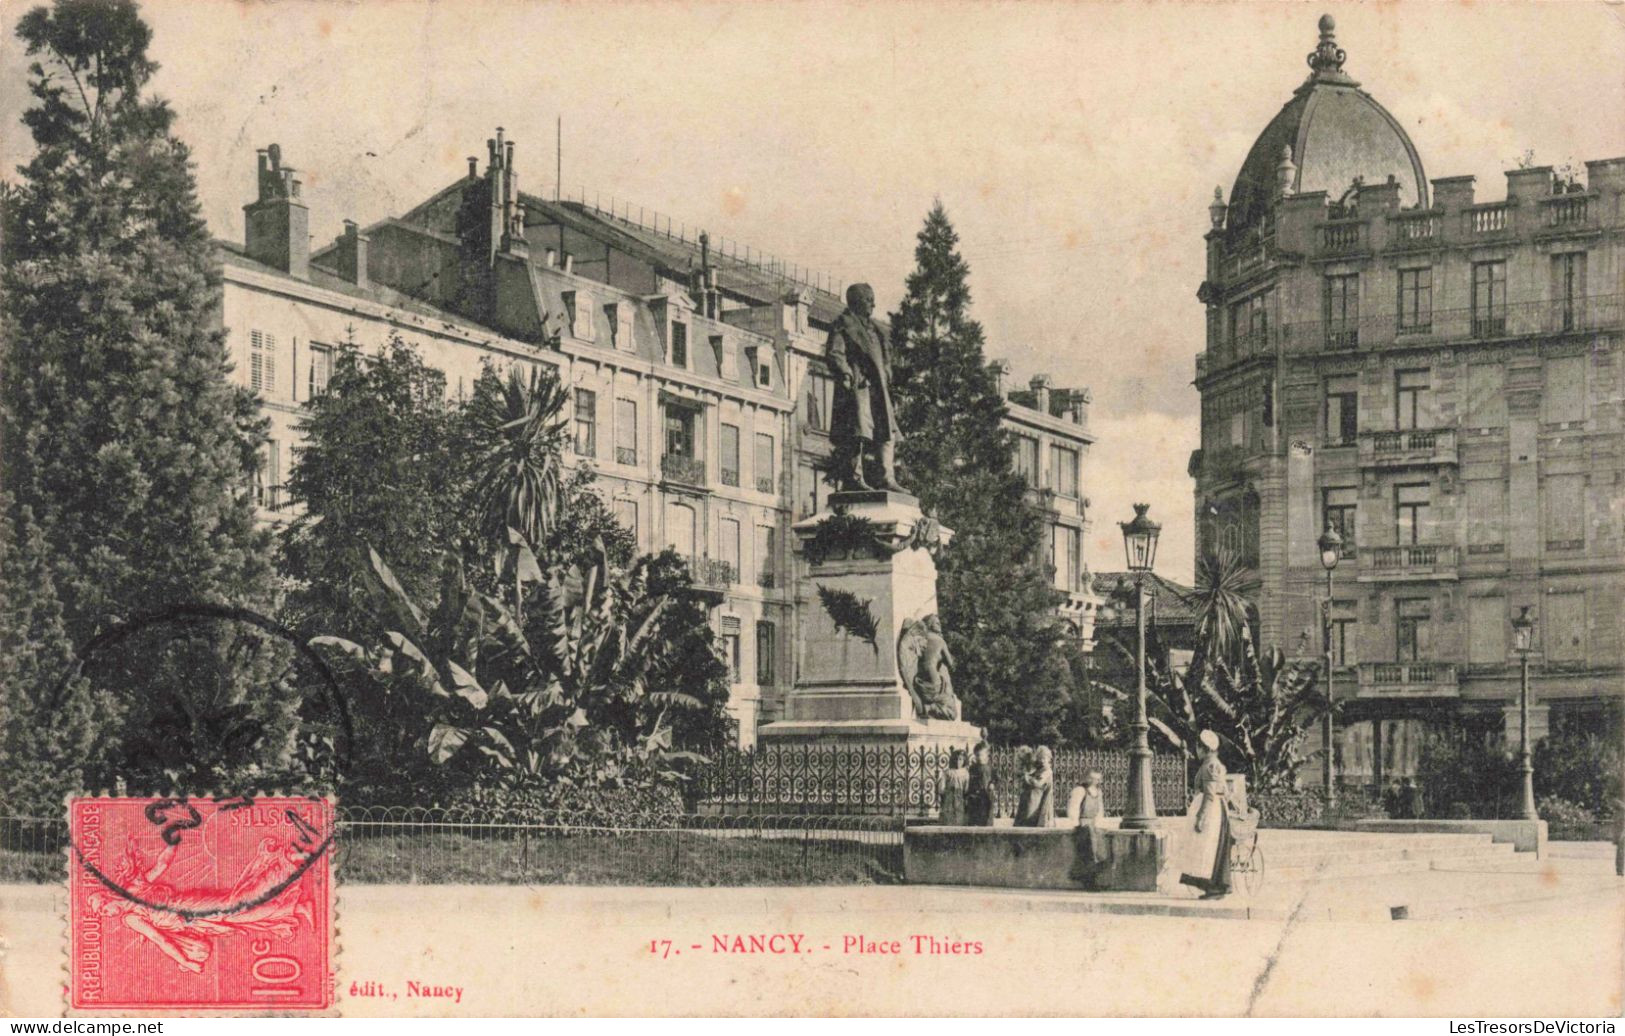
column 1140, row 546
column 1331, row 549
column 1523, row 636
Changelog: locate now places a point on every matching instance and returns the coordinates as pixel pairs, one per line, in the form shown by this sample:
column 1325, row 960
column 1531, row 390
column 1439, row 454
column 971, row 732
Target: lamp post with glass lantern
column 1523, row 637
column 1140, row 547
column 1331, row 549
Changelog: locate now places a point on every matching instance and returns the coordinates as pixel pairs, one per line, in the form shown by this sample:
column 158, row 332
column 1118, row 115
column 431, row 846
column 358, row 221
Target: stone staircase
column 1303, row 856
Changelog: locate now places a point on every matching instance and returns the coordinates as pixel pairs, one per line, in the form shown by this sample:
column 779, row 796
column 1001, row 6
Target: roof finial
column 1328, row 57
column 1286, row 173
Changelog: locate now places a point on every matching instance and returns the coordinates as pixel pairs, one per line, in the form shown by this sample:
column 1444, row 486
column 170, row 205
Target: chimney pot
column 473, row 167
column 276, row 225
column 552, row 257
column 569, row 263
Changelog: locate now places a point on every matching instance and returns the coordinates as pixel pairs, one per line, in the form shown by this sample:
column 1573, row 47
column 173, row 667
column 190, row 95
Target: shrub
column 1581, row 770
column 643, row 801
column 1465, row 776
column 1569, row 822
column 1287, row 807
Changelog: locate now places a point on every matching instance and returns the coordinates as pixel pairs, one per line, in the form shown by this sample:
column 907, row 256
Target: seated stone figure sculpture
column 926, row 666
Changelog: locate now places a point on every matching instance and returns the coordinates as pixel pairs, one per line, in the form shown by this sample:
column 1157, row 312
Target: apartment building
column 1438, row 377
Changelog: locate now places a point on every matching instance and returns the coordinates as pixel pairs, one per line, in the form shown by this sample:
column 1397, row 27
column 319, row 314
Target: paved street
column 1545, row 940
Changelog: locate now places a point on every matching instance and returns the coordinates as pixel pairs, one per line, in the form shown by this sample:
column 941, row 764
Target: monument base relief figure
column 875, row 668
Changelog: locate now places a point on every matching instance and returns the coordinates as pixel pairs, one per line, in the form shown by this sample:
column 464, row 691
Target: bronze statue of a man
column 863, row 425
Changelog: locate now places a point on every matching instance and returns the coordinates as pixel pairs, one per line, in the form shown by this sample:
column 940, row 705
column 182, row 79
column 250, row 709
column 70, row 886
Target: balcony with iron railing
column 710, row 578
column 1408, row 680
column 1439, row 326
column 1408, row 449
column 678, row 467
column 1413, row 561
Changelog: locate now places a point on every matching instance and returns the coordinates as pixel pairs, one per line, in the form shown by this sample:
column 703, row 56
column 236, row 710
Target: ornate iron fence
column 431, row 846
column 884, row 780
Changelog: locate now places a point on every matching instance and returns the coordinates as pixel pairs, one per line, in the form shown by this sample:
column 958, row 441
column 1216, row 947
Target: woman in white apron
column 1204, row 863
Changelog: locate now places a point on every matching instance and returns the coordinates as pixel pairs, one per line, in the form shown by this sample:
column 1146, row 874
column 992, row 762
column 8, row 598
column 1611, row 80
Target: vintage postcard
column 519, row 509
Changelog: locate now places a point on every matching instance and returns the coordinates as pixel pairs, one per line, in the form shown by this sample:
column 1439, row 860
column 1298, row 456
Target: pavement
column 1541, row 938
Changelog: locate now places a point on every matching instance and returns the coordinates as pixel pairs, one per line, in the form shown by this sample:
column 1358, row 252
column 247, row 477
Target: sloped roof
column 1168, row 602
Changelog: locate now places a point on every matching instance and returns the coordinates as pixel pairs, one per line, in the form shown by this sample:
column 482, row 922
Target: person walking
column 1206, row 861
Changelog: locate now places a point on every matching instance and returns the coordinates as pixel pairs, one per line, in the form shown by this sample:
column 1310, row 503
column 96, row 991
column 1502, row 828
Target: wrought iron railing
column 764, row 485
column 679, row 468
column 899, row 781
column 1412, row 559
column 730, row 477
column 707, row 571
column 626, row 455
column 431, row 846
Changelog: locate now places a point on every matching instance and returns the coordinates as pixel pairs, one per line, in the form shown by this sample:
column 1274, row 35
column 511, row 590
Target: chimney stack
column 1040, row 386
column 1001, row 374
column 277, row 224
column 352, row 254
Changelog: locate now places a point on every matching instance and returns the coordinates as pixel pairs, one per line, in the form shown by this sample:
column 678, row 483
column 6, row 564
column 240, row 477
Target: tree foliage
column 125, row 450
column 993, row 584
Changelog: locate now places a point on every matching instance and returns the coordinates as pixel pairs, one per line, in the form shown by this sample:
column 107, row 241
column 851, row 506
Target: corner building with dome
column 1438, row 377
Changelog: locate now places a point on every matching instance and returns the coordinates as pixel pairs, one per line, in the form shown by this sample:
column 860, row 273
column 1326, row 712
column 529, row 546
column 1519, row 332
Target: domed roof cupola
column 1328, row 135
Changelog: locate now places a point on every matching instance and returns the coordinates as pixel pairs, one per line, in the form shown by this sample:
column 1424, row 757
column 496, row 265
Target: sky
column 1075, row 146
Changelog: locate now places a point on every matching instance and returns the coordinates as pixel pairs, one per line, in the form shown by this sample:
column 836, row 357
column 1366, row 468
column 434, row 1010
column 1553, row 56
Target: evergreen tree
column 993, row 582
column 381, row 465
column 125, row 451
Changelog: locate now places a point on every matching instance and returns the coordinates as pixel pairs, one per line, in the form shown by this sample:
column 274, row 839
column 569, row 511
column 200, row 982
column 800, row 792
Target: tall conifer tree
column 993, row 585
column 126, row 453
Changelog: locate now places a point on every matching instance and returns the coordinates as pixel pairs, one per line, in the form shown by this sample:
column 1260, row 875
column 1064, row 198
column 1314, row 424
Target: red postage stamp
column 179, row 904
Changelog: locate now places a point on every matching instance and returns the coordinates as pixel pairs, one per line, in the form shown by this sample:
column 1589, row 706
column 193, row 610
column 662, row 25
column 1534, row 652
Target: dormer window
column 679, row 344
column 622, row 317
column 578, row 304
column 761, row 366
column 725, row 359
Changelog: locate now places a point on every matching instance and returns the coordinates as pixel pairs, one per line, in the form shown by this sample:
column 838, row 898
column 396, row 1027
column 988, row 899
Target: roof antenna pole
column 558, row 158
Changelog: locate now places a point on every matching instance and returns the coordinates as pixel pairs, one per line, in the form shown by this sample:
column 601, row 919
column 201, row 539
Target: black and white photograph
column 953, row 509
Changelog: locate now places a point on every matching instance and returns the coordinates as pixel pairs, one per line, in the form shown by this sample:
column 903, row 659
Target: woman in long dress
column 951, row 791
column 1037, row 792
column 1206, row 861
column 981, row 793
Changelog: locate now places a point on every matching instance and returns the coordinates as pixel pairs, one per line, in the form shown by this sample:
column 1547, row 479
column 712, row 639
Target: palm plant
column 577, row 694
column 1222, row 610
column 519, row 430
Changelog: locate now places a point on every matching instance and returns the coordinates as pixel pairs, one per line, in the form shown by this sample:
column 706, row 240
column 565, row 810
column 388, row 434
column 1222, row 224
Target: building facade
column 1050, row 428
column 1438, row 377
column 700, row 394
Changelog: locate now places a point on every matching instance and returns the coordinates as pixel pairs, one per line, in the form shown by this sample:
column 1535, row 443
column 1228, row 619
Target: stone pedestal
column 870, row 564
